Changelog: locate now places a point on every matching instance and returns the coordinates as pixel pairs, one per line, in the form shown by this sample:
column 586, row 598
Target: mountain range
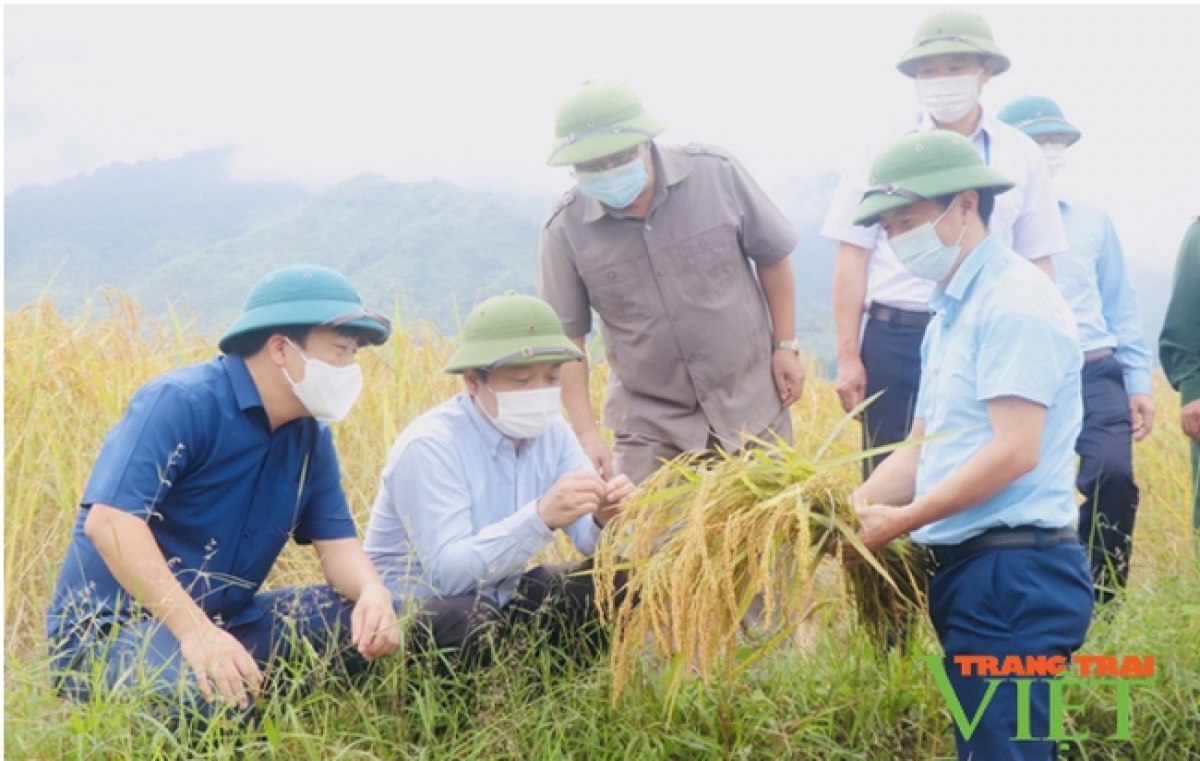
column 184, row 234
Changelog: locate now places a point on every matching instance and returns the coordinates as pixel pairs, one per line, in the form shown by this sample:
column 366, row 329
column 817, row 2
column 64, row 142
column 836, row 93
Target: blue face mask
column 617, row 187
column 922, row 252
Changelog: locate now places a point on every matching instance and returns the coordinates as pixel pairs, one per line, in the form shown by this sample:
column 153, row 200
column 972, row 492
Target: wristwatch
column 789, row 345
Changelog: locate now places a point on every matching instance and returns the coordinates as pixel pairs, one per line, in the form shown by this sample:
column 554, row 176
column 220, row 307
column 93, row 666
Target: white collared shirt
column 1026, row 218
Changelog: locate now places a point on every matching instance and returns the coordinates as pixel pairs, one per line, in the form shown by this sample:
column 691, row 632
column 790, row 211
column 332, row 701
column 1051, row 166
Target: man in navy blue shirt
column 212, row 469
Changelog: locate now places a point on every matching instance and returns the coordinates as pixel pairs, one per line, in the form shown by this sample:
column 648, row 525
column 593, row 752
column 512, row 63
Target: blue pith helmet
column 1036, row 116
column 307, row 296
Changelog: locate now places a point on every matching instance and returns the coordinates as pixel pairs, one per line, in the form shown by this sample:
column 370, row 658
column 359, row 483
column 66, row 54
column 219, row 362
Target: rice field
column 822, row 692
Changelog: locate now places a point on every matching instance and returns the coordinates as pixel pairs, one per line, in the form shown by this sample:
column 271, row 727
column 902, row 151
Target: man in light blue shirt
column 477, row 486
column 1117, row 395
column 952, row 59
column 991, row 491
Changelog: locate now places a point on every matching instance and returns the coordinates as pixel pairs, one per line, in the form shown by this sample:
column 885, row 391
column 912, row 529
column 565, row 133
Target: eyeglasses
column 608, row 162
column 368, row 314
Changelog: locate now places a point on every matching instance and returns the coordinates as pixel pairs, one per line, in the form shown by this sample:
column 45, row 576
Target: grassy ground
column 828, row 696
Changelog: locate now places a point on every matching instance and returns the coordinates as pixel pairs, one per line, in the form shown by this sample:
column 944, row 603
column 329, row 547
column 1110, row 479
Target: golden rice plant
column 708, row 534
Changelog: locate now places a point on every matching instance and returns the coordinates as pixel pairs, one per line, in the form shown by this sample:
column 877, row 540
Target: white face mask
column 327, row 392
column 1056, row 157
column 948, row 99
column 922, row 252
column 526, row 414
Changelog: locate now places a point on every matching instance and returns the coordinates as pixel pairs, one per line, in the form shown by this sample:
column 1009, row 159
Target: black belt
column 902, row 317
column 1002, row 539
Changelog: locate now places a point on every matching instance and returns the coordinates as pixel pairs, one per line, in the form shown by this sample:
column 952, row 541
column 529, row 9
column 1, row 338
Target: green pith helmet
column 599, row 119
column 949, row 32
column 1037, row 116
column 924, row 165
column 512, row 329
column 310, row 296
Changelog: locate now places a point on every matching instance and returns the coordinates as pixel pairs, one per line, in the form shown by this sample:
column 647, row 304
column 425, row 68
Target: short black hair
column 987, row 203
column 251, row 343
column 482, row 372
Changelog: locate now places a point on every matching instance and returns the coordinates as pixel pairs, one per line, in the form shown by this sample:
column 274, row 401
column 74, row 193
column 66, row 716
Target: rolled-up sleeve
column 560, row 285
column 433, row 496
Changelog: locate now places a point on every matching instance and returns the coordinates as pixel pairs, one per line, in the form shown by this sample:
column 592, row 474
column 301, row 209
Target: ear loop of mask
column 942, row 216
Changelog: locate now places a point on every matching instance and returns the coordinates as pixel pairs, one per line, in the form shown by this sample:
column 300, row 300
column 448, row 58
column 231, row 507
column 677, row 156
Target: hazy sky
column 467, row 93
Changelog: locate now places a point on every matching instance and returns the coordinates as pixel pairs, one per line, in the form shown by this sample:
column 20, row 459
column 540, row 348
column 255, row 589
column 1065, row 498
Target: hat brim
column 305, row 314
column 932, row 186
column 603, row 144
column 485, row 354
column 908, row 64
column 1044, row 128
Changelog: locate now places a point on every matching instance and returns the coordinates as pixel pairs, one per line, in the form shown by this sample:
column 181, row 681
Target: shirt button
column 647, row 228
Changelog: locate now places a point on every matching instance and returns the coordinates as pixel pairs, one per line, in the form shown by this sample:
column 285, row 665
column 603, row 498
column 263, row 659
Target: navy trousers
column 891, row 355
column 1009, row 602
column 142, row 654
column 1105, row 477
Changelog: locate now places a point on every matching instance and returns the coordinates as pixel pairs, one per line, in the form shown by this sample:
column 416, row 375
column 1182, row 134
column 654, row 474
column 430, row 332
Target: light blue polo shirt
column 457, row 507
column 1001, row 329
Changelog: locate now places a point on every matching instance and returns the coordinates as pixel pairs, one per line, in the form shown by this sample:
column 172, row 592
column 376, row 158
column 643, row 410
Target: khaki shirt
column 685, row 324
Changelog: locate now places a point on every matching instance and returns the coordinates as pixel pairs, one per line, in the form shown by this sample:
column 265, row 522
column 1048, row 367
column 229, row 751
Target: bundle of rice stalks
column 707, row 534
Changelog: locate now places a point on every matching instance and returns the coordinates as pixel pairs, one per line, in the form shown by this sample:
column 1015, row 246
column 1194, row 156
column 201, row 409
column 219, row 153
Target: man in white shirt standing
column 952, row 57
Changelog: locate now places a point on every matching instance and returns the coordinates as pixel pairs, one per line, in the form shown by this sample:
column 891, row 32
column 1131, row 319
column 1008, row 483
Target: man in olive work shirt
column 686, row 261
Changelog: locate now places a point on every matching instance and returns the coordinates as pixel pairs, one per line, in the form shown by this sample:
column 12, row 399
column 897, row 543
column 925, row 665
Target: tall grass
column 67, row 382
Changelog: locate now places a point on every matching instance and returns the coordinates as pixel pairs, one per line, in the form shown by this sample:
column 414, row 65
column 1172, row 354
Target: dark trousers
column 1022, row 602
column 1105, row 476
column 557, row 602
column 891, row 355
column 142, row 654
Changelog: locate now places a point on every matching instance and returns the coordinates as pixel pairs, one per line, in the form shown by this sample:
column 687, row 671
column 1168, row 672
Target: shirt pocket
column 707, row 260
column 617, row 291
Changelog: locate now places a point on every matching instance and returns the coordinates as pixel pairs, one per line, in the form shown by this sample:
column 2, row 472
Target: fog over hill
column 184, row 232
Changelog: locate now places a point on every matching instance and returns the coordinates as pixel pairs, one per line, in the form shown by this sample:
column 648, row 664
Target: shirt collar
column 669, row 170
column 488, row 432
column 244, row 389
column 967, row 272
column 986, row 124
